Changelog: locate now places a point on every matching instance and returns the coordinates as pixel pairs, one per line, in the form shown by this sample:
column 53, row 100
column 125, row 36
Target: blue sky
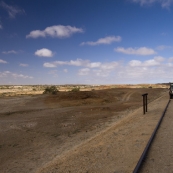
column 86, row 41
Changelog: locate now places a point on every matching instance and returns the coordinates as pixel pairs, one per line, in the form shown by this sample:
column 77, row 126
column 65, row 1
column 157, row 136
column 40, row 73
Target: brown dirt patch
column 34, row 130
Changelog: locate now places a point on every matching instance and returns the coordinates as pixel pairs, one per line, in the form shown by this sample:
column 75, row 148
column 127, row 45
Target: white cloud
column 12, row 11
column 155, row 70
column 44, row 53
column 152, row 62
column 23, row 65
column 0, row 26
column 49, row 65
column 58, row 31
column 2, row 61
column 84, row 71
column 14, row 75
column 109, row 66
column 78, row 62
column 94, row 64
column 84, row 63
column 164, row 3
column 10, row 52
column 150, row 74
column 136, row 51
column 134, row 63
column 96, row 68
column 106, row 40
column 159, row 58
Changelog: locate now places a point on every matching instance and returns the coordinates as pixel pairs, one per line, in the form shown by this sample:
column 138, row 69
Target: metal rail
column 139, row 164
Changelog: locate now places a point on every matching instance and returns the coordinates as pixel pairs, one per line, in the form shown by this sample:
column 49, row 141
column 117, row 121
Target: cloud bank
column 157, row 69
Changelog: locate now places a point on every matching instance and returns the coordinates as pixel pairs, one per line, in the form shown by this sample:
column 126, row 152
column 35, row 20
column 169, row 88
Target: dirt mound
column 77, row 95
column 80, row 98
column 101, row 97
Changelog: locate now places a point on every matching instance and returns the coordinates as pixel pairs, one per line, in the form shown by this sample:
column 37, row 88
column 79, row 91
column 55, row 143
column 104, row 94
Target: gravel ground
column 115, row 150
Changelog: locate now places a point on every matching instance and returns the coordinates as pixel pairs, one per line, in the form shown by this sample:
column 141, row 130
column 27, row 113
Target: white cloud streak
column 83, row 63
column 106, row 40
column 94, row 68
column 14, row 75
column 163, row 47
column 152, row 62
column 12, row 11
column 49, row 65
column 2, row 61
column 23, row 65
column 44, row 52
column 164, row 3
column 58, row 31
column 10, row 52
column 136, row 51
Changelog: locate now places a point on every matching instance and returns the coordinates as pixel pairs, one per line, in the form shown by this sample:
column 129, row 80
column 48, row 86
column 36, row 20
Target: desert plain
column 97, row 129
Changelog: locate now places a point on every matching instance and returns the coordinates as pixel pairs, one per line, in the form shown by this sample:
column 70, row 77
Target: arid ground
column 87, row 131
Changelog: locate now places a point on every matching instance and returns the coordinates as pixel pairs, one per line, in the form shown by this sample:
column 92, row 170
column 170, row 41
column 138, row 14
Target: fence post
column 145, row 102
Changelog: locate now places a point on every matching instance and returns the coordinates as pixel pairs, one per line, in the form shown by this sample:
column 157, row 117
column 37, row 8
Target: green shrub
column 50, row 90
column 76, row 89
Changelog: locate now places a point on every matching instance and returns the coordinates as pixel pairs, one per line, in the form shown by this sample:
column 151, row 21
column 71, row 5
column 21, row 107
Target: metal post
column 145, row 102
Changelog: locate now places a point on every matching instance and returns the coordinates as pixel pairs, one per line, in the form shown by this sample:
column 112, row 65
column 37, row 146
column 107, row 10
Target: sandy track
column 114, row 150
column 127, row 96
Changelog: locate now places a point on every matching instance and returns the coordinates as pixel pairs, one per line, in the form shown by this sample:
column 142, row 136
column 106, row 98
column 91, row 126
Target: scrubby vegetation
column 76, row 89
column 50, row 90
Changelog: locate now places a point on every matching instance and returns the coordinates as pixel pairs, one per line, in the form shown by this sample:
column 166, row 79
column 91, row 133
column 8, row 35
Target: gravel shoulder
column 159, row 158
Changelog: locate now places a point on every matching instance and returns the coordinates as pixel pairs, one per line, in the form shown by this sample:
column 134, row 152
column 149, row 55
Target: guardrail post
column 145, row 102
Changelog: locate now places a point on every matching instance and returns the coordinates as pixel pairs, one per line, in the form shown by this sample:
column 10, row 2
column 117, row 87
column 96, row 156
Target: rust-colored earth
column 87, row 131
